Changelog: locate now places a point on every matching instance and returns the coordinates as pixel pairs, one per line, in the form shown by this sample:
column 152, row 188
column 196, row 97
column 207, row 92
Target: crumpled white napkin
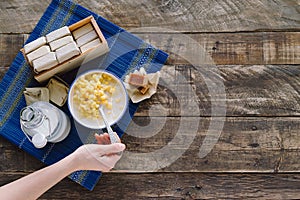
column 134, row 93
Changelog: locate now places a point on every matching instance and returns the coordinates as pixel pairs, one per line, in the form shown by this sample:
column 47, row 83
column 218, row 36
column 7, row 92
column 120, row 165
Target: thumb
column 112, row 148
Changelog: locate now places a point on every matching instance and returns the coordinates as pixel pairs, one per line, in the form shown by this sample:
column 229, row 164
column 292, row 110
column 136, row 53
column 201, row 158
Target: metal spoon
column 113, row 137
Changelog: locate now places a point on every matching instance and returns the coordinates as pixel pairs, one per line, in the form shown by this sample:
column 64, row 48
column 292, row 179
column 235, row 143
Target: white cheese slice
column 60, row 42
column 66, row 52
column 82, row 30
column 86, row 38
column 45, row 62
column 90, row 45
column 34, row 44
column 43, row 50
column 59, row 33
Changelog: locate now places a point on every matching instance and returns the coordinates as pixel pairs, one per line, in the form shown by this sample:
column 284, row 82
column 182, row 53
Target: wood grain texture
column 14, row 159
column 178, row 186
column 245, row 145
column 241, row 48
column 11, row 157
column 255, row 90
column 229, row 48
column 175, row 15
column 255, row 45
column 250, row 90
column 260, row 90
column 225, row 49
column 10, row 44
column 21, row 16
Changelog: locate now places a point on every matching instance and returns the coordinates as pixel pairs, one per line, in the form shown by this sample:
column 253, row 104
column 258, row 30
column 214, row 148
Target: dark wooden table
column 256, row 48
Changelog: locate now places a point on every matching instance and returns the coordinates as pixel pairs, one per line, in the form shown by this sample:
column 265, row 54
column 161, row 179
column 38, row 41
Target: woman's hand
column 100, row 157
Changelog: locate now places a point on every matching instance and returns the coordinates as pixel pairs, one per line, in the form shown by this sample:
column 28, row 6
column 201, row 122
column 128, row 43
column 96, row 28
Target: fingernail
column 122, row 146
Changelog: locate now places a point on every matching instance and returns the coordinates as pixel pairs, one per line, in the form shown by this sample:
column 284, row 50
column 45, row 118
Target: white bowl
column 119, row 104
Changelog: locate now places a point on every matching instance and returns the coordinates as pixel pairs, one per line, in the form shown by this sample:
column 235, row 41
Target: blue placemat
column 127, row 52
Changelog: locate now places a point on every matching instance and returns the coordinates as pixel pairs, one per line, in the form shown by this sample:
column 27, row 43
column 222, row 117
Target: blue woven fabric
column 127, row 52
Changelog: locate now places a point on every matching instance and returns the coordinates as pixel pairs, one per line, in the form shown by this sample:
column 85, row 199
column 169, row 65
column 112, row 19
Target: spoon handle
column 112, row 135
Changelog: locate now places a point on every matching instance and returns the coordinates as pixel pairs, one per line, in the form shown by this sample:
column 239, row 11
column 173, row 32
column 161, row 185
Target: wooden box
column 75, row 61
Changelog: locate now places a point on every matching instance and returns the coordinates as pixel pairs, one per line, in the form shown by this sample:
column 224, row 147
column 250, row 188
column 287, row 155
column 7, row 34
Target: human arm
column 100, row 157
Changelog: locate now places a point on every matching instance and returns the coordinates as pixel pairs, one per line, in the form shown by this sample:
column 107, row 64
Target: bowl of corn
column 92, row 89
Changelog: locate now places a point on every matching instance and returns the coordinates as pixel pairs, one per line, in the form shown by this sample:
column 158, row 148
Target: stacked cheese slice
column 59, row 46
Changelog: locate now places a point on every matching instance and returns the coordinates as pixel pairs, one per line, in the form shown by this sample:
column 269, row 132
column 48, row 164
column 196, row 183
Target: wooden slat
column 251, row 90
column 21, row 16
column 244, row 161
column 14, row 159
column 245, row 144
column 237, row 133
column 177, row 15
column 261, row 90
column 10, row 45
column 247, row 92
column 229, row 48
column 11, row 157
column 226, row 48
column 178, row 186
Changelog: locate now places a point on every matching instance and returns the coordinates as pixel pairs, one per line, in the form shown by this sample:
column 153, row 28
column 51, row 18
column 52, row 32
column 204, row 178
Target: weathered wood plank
column 262, row 90
column 245, row 144
column 10, row 44
column 238, row 133
column 244, row 161
column 178, row 186
column 256, row 160
column 11, row 157
column 175, row 15
column 14, row 159
column 21, row 16
column 251, row 90
column 229, row 48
